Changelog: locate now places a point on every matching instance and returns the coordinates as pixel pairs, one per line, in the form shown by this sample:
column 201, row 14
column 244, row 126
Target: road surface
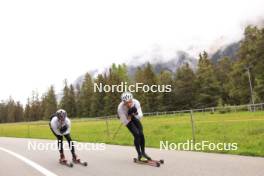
column 17, row 159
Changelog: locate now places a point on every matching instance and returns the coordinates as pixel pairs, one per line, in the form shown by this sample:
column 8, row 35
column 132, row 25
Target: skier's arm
column 68, row 123
column 139, row 114
column 122, row 115
column 54, row 126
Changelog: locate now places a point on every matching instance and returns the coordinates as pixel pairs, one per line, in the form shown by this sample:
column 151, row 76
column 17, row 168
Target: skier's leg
column 142, row 142
column 59, row 142
column 71, row 145
column 141, row 134
column 133, row 129
column 60, row 147
column 142, row 137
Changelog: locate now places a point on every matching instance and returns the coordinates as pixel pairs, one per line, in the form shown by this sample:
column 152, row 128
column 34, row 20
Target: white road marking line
column 29, row 162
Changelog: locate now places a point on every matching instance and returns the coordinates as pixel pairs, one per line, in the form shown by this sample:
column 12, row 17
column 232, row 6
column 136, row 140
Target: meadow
column 244, row 128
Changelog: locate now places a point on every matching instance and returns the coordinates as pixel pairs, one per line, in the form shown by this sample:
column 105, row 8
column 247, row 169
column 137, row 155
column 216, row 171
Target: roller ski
column 148, row 158
column 145, row 159
column 76, row 160
column 63, row 161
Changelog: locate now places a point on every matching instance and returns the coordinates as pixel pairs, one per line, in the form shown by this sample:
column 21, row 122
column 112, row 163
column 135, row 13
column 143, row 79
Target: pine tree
column 249, row 59
column 86, row 94
column 18, row 112
column 36, row 110
column 27, row 111
column 97, row 104
column 222, row 70
column 248, row 46
column 68, row 102
column 78, row 100
column 259, row 67
column 184, row 88
column 206, row 83
column 112, row 98
column 151, row 98
column 3, row 112
column 238, row 84
column 11, row 110
column 72, row 101
column 49, row 103
column 139, row 78
column 165, row 99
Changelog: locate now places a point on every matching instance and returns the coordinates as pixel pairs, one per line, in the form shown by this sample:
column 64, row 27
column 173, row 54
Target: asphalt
column 118, row 161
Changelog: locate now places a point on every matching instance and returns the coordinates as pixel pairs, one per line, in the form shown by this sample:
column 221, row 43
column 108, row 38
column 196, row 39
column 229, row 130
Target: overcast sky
column 44, row 42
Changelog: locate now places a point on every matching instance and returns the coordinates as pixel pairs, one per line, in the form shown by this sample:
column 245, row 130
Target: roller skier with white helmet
column 130, row 113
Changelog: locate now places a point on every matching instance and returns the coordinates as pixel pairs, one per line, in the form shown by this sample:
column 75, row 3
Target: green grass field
column 244, row 128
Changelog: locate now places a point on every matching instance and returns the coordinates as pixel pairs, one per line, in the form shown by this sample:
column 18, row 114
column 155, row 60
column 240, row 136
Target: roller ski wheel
column 161, row 161
column 78, row 161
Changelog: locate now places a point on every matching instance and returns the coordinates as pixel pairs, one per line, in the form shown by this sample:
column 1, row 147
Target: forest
column 225, row 82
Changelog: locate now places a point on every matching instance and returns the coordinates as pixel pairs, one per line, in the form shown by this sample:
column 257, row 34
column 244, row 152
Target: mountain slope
column 226, row 51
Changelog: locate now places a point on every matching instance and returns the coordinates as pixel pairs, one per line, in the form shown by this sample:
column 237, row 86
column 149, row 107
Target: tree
column 49, row 103
column 139, row 78
column 85, row 97
column 222, row 69
column 19, row 112
column 206, row 83
column 249, row 54
column 11, row 111
column 184, row 88
column 68, row 101
column 72, row 102
column 238, row 84
column 35, row 110
column 78, row 100
column 98, row 104
column 150, row 98
column 259, row 67
column 248, row 46
column 3, row 112
column 165, row 99
column 27, row 111
column 115, row 76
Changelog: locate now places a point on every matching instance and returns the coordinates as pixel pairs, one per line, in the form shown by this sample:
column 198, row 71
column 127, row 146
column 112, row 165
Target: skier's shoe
column 75, row 159
column 139, row 158
column 62, row 158
column 145, row 156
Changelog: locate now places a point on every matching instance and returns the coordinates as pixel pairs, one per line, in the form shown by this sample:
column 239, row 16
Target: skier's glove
column 132, row 111
column 64, row 129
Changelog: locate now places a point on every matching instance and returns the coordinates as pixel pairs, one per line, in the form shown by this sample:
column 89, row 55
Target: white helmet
column 126, row 96
column 61, row 114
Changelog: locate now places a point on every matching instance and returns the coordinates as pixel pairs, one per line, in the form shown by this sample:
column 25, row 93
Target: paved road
column 16, row 159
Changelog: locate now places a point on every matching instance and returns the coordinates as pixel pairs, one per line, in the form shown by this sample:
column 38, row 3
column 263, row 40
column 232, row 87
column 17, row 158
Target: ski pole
column 117, row 131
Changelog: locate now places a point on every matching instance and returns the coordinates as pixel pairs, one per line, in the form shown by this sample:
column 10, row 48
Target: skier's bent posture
column 130, row 113
column 60, row 126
